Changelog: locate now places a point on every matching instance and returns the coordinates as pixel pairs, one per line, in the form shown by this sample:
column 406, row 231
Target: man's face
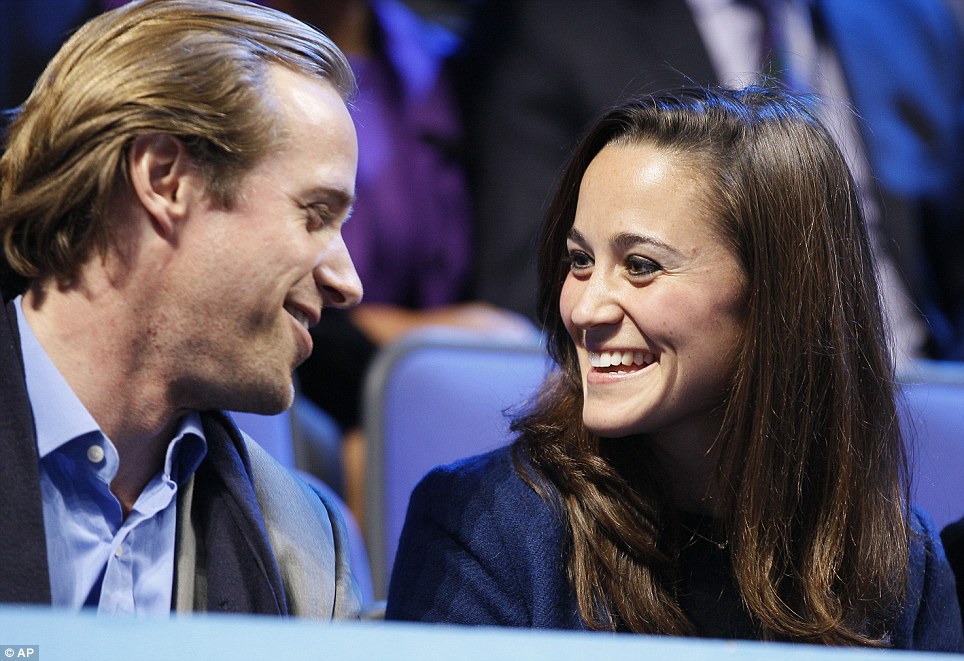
column 258, row 274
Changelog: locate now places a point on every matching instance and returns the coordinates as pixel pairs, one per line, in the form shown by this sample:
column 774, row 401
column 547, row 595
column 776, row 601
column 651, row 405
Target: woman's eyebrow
column 575, row 235
column 626, row 240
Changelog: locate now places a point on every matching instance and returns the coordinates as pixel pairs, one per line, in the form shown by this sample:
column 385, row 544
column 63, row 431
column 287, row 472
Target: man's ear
column 163, row 179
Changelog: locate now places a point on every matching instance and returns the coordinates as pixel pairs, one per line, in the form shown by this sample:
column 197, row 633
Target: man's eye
column 639, row 266
column 319, row 215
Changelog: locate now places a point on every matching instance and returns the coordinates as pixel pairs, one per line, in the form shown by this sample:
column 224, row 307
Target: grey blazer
column 307, row 535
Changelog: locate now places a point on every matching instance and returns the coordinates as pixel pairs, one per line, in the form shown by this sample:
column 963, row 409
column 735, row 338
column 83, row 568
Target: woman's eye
column 638, row 266
column 578, row 260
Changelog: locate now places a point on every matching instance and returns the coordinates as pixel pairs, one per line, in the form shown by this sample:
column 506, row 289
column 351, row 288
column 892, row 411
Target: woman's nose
column 596, row 303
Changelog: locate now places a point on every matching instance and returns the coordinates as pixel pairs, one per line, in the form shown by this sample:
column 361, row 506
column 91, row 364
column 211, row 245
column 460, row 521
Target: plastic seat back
column 434, row 397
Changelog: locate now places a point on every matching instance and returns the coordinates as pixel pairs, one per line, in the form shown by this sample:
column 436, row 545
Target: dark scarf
column 242, row 575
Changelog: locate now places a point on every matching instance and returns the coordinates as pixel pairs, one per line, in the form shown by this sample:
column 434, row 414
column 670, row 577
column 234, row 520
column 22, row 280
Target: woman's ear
column 163, row 179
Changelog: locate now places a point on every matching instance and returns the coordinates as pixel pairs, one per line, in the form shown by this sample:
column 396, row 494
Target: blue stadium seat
column 438, row 396
column 932, row 415
column 433, row 397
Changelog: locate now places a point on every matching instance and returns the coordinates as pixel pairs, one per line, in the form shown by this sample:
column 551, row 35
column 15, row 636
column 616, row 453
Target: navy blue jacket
column 479, row 546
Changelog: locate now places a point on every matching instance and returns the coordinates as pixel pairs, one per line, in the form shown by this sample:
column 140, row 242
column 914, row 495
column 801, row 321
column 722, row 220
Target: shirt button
column 119, row 551
column 95, row 454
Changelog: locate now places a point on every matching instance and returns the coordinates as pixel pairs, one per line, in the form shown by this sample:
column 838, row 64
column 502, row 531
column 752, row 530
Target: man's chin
column 268, row 400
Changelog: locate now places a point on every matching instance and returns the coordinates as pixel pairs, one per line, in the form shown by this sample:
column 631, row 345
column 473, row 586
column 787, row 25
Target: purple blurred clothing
column 410, row 230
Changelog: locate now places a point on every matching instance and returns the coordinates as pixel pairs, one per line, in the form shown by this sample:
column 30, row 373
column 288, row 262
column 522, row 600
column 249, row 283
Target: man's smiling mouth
column 300, row 316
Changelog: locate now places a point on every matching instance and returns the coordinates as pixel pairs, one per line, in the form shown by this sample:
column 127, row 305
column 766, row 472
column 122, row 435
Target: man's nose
column 336, row 277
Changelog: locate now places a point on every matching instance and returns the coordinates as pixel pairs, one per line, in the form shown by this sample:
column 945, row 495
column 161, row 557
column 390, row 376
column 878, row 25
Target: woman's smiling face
column 653, row 301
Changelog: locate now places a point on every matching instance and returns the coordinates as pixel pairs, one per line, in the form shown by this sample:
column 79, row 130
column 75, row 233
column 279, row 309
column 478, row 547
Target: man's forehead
column 316, row 133
column 300, row 90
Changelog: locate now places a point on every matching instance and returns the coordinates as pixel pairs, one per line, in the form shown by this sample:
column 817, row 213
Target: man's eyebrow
column 349, row 211
column 337, row 199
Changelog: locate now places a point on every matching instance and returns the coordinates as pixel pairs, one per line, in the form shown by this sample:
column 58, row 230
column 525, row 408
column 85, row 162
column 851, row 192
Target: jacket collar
column 23, row 543
column 222, row 534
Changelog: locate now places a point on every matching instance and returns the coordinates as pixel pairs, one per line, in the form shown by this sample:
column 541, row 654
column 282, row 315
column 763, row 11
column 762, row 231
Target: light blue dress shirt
column 97, row 557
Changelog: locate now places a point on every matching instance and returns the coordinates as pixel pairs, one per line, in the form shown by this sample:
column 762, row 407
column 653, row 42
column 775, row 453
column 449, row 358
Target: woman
column 718, row 453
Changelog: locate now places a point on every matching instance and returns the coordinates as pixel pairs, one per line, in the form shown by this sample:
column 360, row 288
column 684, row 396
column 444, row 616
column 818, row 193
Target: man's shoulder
column 288, row 501
column 308, row 538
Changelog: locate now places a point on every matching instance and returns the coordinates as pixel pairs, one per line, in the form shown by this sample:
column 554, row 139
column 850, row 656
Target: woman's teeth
column 617, row 358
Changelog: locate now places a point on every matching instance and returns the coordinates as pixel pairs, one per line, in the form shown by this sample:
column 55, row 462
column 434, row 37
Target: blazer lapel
column 235, row 569
column 24, row 577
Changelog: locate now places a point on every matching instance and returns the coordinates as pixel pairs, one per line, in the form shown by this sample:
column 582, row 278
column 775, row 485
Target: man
column 171, row 202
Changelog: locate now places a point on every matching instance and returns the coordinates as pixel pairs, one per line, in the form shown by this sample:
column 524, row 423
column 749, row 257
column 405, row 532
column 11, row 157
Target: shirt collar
column 187, row 449
column 62, row 417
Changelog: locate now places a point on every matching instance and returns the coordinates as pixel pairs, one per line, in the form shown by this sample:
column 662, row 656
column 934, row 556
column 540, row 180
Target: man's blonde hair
column 194, row 69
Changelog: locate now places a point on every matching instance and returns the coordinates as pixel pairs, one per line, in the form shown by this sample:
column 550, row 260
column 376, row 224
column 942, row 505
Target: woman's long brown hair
column 812, row 465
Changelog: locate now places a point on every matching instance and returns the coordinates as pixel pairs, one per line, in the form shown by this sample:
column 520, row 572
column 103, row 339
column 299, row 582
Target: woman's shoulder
column 927, row 559
column 495, row 464
column 480, row 546
column 930, row 618
column 925, row 541
column 485, row 482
